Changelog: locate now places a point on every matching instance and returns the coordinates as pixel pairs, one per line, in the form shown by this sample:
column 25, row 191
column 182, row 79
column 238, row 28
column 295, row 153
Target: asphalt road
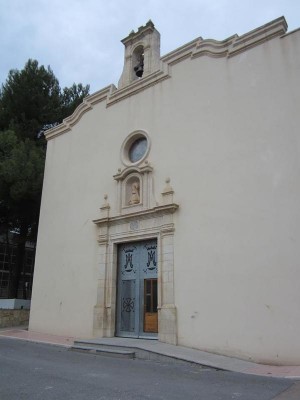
column 31, row 371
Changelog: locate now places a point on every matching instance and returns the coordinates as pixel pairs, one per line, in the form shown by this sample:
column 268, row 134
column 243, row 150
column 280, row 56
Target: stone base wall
column 10, row 318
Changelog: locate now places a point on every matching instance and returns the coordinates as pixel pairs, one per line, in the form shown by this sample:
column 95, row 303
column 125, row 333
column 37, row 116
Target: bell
column 139, row 69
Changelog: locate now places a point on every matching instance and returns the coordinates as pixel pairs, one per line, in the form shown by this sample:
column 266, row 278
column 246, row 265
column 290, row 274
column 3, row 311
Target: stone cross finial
column 104, row 209
column 168, row 192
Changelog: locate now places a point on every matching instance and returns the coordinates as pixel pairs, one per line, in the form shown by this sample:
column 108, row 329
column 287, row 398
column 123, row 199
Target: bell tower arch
column 142, row 54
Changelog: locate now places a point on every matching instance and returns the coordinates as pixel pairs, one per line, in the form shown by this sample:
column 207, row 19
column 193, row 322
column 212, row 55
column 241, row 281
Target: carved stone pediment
column 137, row 216
column 134, row 189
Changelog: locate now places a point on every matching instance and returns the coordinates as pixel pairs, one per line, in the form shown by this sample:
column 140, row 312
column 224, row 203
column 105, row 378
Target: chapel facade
column 171, row 203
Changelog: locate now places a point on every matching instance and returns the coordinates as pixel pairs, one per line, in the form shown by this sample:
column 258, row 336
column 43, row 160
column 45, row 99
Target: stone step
column 101, row 351
column 96, row 345
column 137, row 349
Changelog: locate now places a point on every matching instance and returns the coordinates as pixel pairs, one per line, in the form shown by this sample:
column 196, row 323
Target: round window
column 135, row 148
column 138, row 149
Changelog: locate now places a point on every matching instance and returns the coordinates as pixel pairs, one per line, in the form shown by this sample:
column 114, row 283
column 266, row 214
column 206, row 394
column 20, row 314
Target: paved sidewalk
column 23, row 334
column 153, row 346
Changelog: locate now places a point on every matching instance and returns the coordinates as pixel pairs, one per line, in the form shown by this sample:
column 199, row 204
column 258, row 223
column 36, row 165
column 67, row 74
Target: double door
column 137, row 289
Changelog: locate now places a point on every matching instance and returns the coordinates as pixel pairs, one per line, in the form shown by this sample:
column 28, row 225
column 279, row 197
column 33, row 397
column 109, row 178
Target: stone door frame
column 156, row 223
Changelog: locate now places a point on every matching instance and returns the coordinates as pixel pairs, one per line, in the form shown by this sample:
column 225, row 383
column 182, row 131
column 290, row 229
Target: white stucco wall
column 226, row 131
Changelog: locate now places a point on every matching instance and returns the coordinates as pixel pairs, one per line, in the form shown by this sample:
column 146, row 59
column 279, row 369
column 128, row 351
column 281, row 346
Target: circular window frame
column 128, row 142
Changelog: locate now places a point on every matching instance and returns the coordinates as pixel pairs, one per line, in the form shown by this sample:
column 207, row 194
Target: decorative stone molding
column 126, row 179
column 275, row 28
column 128, row 142
column 84, row 107
column 105, row 207
column 140, row 85
column 167, row 193
column 228, row 47
column 154, row 212
column 159, row 69
column 141, row 223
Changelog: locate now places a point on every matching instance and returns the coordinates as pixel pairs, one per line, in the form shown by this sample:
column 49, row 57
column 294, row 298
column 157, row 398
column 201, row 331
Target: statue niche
column 135, row 193
column 133, row 188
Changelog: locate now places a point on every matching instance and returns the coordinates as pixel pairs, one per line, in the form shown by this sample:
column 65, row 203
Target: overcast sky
column 80, row 39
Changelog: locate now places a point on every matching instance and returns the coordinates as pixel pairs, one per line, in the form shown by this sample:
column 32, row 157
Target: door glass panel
column 148, row 299
column 150, row 306
column 128, row 306
column 154, row 295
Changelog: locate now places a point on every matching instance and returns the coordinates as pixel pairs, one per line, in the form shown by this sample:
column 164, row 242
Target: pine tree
column 31, row 101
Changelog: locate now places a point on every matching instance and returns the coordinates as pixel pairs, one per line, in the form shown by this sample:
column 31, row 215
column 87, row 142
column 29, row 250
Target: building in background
column 8, row 255
column 194, row 163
